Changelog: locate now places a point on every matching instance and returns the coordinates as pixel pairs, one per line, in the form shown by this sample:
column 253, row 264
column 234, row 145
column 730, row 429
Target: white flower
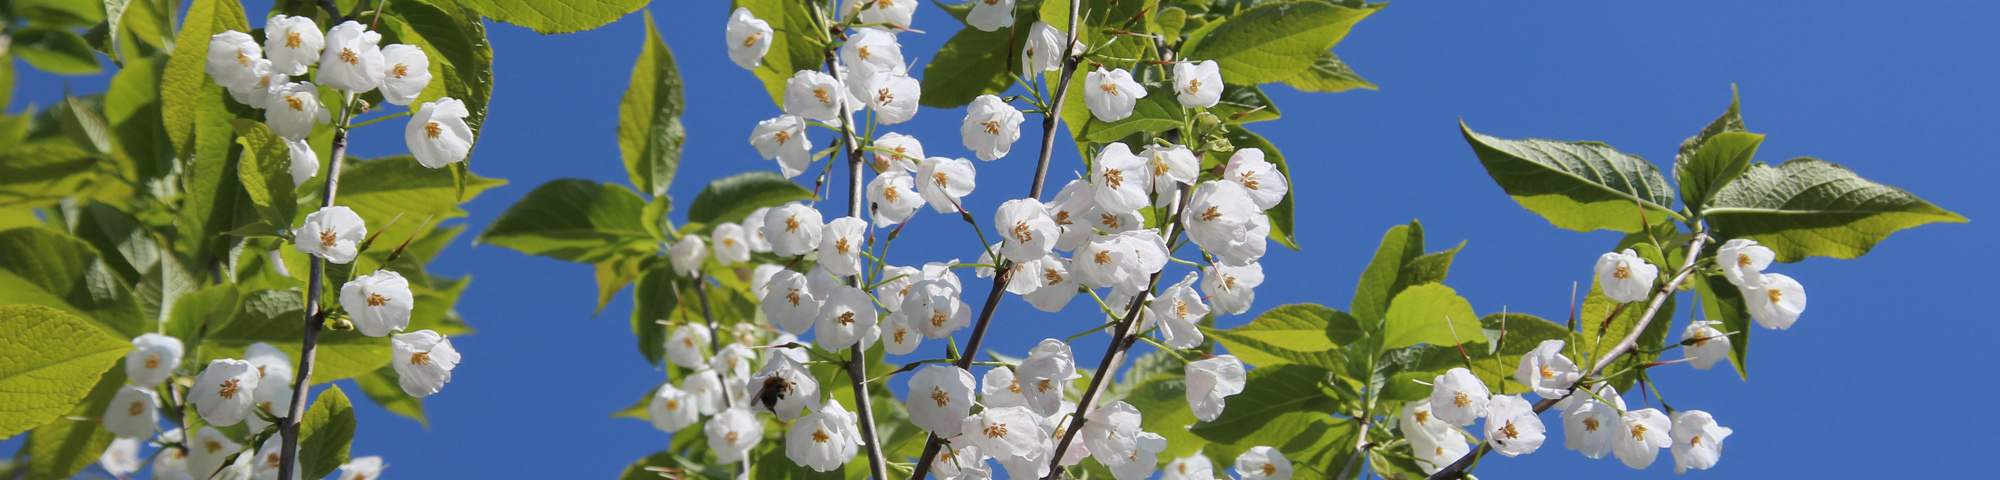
column 1710, row 345
column 869, row 51
column 942, row 181
column 790, row 304
column 749, row 39
column 1068, row 210
column 134, row 411
column 171, row 459
column 1590, row 426
column 687, row 255
column 753, row 230
column 892, row 12
column 734, row 360
column 793, row 229
column 242, row 468
column 1697, row 440
column 1111, row 433
column 893, row 96
column 1547, row 371
column 895, row 285
column 961, row 460
column 908, row 152
column 293, row 43
column 1111, row 94
column 1172, row 166
column 293, row 108
column 1512, row 426
column 1125, row 261
column 1210, row 382
column 1743, row 261
column 222, row 393
column 1625, row 277
column 1198, row 84
column 1043, row 52
column 208, row 450
column 424, row 359
column 153, row 358
column 845, row 318
column 230, row 55
column 1267, row 186
column 732, row 433
column 408, row 72
column 814, row 95
column 1047, row 370
column 1775, row 301
column 840, row 245
column 784, row 138
column 437, row 134
column 269, row 459
column 379, row 302
column 1139, row 465
column 305, row 163
column 1648, row 433
column 671, row 409
column 1179, row 307
column 730, row 245
column 991, row 126
column 1000, row 388
column 824, row 440
column 704, row 387
column 1458, row 397
column 1435, row 442
column 1192, row 467
column 795, row 387
column 352, row 60
column 1263, row 463
column 363, row 468
column 893, row 197
column 899, row 337
column 940, row 396
column 1223, row 219
column 1232, row 288
column 1026, row 230
column 934, row 308
column 1007, row 432
column 687, row 344
column 272, row 365
column 991, row 15
column 257, row 93
column 1053, row 285
column 121, row 458
column 1121, row 179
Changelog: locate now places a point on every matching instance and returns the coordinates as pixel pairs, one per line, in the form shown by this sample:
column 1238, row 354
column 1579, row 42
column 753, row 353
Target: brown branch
column 857, row 368
column 288, row 427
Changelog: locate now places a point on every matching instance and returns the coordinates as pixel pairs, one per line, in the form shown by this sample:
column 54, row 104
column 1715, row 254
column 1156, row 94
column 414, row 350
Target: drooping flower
column 749, row 38
column 1591, row 426
column 121, row 458
column 230, row 55
column 732, row 433
column 331, row 232
column 153, row 358
column 133, row 412
column 934, row 308
column 961, row 460
column 840, row 245
column 896, row 13
column 272, row 364
column 733, row 360
column 352, row 60
column 305, row 163
column 671, row 409
column 269, row 459
column 1263, row 463
column 1000, row 388
column 1068, row 209
column 1223, row 219
column 1179, row 308
column 688, row 254
column 407, row 73
column 363, row 468
column 1210, row 382
column 1775, row 301
column 824, row 440
column 437, row 133
column 893, row 197
column 794, row 385
column 1458, row 397
column 1142, row 462
column 1172, row 166
column 688, row 344
column 1121, row 180
column 1547, row 371
column 1053, row 285
column 1192, row 467
column 892, row 95
column 1435, row 442
column 424, row 359
column 1697, row 440
column 730, row 246
column 784, row 138
column 379, row 303
column 1111, row 94
column 293, row 108
column 704, row 388
column 1232, row 289
column 1007, row 432
column 753, row 230
column 1198, row 84
column 940, row 396
column 1044, row 374
column 815, row 95
column 1646, row 432
column 1111, row 433
column 292, row 43
column 991, row 127
column 1743, row 261
column 1125, row 261
column 1044, row 49
column 793, row 229
column 904, row 152
column 847, row 316
column 1512, row 426
column 871, row 50
column 942, row 181
column 991, row 15
column 222, row 392
column 899, row 337
column 1026, row 230
column 790, row 304
column 258, row 93
column 1625, row 277
column 208, row 450
column 1710, row 345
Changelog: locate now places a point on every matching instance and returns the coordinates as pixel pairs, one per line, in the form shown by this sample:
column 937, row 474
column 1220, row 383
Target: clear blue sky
column 1902, row 94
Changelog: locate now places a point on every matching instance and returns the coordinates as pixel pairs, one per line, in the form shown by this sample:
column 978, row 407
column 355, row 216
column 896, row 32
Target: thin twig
column 288, row 427
column 857, row 362
column 715, row 347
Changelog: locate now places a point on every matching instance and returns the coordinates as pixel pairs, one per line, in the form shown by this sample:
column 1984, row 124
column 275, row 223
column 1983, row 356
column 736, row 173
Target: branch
column 1457, row 469
column 288, row 427
column 334, row 11
column 1361, row 445
column 715, row 348
column 857, row 368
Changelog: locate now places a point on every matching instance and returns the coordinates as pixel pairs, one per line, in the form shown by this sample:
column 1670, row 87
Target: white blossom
column 379, row 302
column 840, row 245
column 784, row 138
column 363, row 468
column 1045, row 373
column 1210, row 382
column 208, row 450
column 1591, row 426
column 257, row 93
column 273, row 365
column 1192, row 467
column 1008, row 432
column 352, row 61
column 793, row 229
column 1625, row 277
column 1179, row 308
column 1743, row 261
column 795, row 386
column 1435, row 442
column 749, row 38
column 732, row 433
column 293, row 108
column 790, row 304
column 1458, row 397
column 686, row 346
column 292, row 43
column 847, row 316
column 1512, row 425
column 1198, row 84
column 991, row 127
column 1043, row 49
column 133, row 412
column 407, row 74
column 934, row 308
column 1231, row 288
column 1172, row 166
column 1000, row 388
column 892, row 95
column 1263, row 463
column 305, row 163
column 1648, row 433
column 940, row 396
column 814, row 95
column 1111, row 94
column 1267, row 186
column 991, row 15
column 941, row 182
column 424, row 359
column 1141, row 463
column 1124, row 262
column 730, row 245
column 869, row 51
column 908, row 152
column 222, row 393
column 899, row 337
column 1775, row 301
column 1068, row 209
column 437, row 133
column 961, row 460
column 688, row 254
column 1710, row 345
column 1697, row 440
column 1547, row 371
column 1026, row 230
column 1223, row 219
column 704, row 388
column 1121, row 180
column 1053, row 284
column 734, row 361
column 753, row 230
column 1111, row 433
column 269, row 460
column 1108, row 222
column 153, row 358
column 892, row 12
column 230, row 55
column 893, row 197
column 824, row 440
column 671, row 409
column 121, row 458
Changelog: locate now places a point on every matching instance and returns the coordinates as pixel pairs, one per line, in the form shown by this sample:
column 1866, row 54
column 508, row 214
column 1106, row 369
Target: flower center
column 326, row 238
column 1109, row 88
column 996, row 430
column 1775, row 295
column 1044, row 386
column 1248, row 179
column 1423, row 417
column 1742, row 260
column 820, row 93
column 862, row 52
column 271, row 460
column 992, row 127
column 939, row 178
column 1695, row 442
column 1194, row 85
column 729, row 242
column 400, row 71
column 229, row 388
column 793, row 297
column 782, row 136
column 348, row 55
column 1052, row 276
column 846, row 318
column 242, row 58
column 751, row 40
column 296, row 104
column 840, row 245
column 899, row 334
column 153, row 361
column 883, row 97
column 1022, row 234
column 433, row 130
column 292, row 40
column 1590, row 424
column 1638, row 432
column 673, row 404
column 938, row 395
column 1460, row 399
column 1228, row 283
column 1014, row 386
column 377, row 300
column 791, row 224
column 1101, row 258
column 420, row 358
column 891, row 194
column 820, row 436
column 937, row 319
column 1509, row 430
column 137, row 407
column 1548, row 372
column 1113, row 178
column 1622, row 273
column 729, row 437
column 1062, row 218
column 1269, row 470
column 1180, row 309
column 212, row 446
column 1213, row 212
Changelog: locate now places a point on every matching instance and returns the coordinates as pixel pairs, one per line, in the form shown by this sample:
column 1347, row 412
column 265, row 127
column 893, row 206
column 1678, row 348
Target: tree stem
column 288, row 427
column 857, row 362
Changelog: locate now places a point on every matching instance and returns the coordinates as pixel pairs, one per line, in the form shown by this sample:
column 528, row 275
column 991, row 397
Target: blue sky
column 1902, row 94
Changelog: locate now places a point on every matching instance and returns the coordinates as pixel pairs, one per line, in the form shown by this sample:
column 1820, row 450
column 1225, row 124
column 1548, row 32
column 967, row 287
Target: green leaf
column 1420, row 314
column 1811, row 207
column 1401, row 245
column 638, row 471
column 1598, row 336
column 40, row 175
column 1276, row 41
column 734, row 197
column 649, row 117
column 61, row 448
column 43, row 267
column 1277, row 405
column 55, row 50
column 574, row 220
column 555, row 16
column 378, row 190
column 1323, row 448
column 209, row 183
column 1281, row 214
column 278, row 317
column 1730, row 121
column 132, row 107
column 185, row 81
column 1581, row 186
column 654, row 299
column 1242, row 104
column 382, row 388
column 795, row 44
column 461, row 58
column 1295, row 333
column 266, row 172
column 49, row 359
column 972, row 63
column 210, row 307
column 1328, row 74
column 1425, row 269
column 129, row 247
column 1719, row 161
column 1721, row 301
column 325, row 433
column 1163, row 398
